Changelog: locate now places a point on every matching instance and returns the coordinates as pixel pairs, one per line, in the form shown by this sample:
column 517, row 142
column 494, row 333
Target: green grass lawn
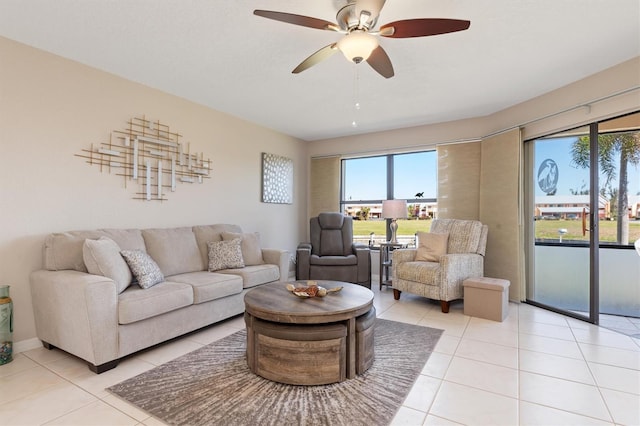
column 548, row 229
column 545, row 229
column 378, row 227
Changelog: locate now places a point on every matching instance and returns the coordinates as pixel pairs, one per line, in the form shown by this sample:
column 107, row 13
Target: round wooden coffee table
column 309, row 341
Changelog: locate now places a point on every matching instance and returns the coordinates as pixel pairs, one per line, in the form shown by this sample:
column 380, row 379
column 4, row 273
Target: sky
column 366, row 178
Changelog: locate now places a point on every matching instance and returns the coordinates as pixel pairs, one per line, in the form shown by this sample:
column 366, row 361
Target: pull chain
column 356, row 95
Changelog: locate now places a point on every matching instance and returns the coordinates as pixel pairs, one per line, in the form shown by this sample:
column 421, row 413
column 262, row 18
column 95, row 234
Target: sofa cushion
column 102, row 257
column 143, row 267
column 250, row 246
column 225, row 254
column 209, row 285
column 174, row 249
column 255, row 275
column 64, row 250
column 127, row 239
column 207, row 233
column 431, row 246
column 136, row 304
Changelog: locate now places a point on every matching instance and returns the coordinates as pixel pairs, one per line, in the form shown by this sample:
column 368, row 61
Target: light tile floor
column 535, row 368
column 625, row 325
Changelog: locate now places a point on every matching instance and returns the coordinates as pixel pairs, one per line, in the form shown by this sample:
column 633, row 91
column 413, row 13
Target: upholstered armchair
column 452, row 252
column 332, row 254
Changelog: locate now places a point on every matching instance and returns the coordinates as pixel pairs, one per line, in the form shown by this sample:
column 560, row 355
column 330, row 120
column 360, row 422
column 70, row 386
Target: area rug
column 213, row 385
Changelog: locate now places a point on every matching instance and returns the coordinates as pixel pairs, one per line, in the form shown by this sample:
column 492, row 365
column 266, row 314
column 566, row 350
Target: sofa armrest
column 456, row 268
column 77, row 312
column 303, row 265
column 277, row 257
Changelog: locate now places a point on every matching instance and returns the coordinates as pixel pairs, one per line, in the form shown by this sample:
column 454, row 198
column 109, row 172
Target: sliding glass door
column 583, row 191
column 562, row 222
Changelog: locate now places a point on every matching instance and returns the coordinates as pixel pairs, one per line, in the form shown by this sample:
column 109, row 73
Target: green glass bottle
column 6, row 325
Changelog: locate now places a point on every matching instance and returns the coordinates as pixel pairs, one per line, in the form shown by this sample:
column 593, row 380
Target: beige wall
column 51, row 108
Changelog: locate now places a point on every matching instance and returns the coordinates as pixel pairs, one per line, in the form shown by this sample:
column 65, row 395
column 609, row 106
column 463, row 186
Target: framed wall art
column 277, row 179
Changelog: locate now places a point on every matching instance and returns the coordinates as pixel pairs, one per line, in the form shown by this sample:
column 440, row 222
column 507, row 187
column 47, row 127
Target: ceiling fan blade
column 316, row 58
column 301, row 20
column 422, row 27
column 379, row 61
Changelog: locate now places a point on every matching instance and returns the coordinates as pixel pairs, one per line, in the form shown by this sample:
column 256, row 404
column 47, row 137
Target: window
column 562, row 184
column 367, row 181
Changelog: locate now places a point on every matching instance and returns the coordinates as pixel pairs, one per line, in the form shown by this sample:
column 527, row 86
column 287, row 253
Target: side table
column 385, row 261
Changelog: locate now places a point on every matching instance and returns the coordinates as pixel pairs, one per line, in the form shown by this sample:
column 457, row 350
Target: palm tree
column 364, row 213
column 611, row 145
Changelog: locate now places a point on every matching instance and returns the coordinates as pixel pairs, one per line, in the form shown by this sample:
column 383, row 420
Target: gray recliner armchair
column 332, row 254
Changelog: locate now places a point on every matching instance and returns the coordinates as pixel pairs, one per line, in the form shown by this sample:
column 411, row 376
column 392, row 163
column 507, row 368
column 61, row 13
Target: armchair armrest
column 303, row 255
column 457, row 268
column 399, row 256
column 363, row 254
column 277, row 257
column 359, row 249
column 77, row 312
column 403, row 255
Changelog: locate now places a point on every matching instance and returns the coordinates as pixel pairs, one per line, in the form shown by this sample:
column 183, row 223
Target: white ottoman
column 486, row 297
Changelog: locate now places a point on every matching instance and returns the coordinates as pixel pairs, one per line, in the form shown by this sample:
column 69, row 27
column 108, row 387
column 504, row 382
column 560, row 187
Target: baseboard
column 26, row 345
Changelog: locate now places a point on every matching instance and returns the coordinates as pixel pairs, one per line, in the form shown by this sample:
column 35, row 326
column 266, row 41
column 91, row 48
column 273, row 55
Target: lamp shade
column 394, row 209
column 357, row 45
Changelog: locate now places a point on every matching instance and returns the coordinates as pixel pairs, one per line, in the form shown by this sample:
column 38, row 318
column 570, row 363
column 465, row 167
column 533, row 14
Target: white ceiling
column 217, row 53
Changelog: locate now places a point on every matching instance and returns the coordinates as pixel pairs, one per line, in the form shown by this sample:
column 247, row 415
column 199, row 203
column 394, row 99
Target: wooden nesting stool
column 486, row 298
column 365, row 326
column 299, row 354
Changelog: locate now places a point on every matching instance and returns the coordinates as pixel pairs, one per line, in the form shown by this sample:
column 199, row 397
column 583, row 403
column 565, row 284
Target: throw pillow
column 144, row 268
column 250, row 246
column 102, row 257
column 225, row 255
column 431, row 246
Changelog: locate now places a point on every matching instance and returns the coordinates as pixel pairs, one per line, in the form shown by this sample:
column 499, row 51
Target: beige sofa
column 102, row 317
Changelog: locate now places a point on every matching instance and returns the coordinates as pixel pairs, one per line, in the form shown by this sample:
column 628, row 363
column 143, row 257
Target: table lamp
column 394, row 209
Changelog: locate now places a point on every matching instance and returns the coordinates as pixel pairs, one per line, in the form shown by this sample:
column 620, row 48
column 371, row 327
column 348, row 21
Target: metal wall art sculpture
column 148, row 154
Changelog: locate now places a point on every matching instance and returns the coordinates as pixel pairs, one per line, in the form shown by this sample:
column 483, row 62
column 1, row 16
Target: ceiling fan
column 357, row 20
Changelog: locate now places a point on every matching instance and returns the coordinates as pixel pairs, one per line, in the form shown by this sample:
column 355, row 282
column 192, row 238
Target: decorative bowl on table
column 311, row 290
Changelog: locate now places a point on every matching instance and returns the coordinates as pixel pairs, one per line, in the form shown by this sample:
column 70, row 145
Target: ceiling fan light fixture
column 357, row 45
